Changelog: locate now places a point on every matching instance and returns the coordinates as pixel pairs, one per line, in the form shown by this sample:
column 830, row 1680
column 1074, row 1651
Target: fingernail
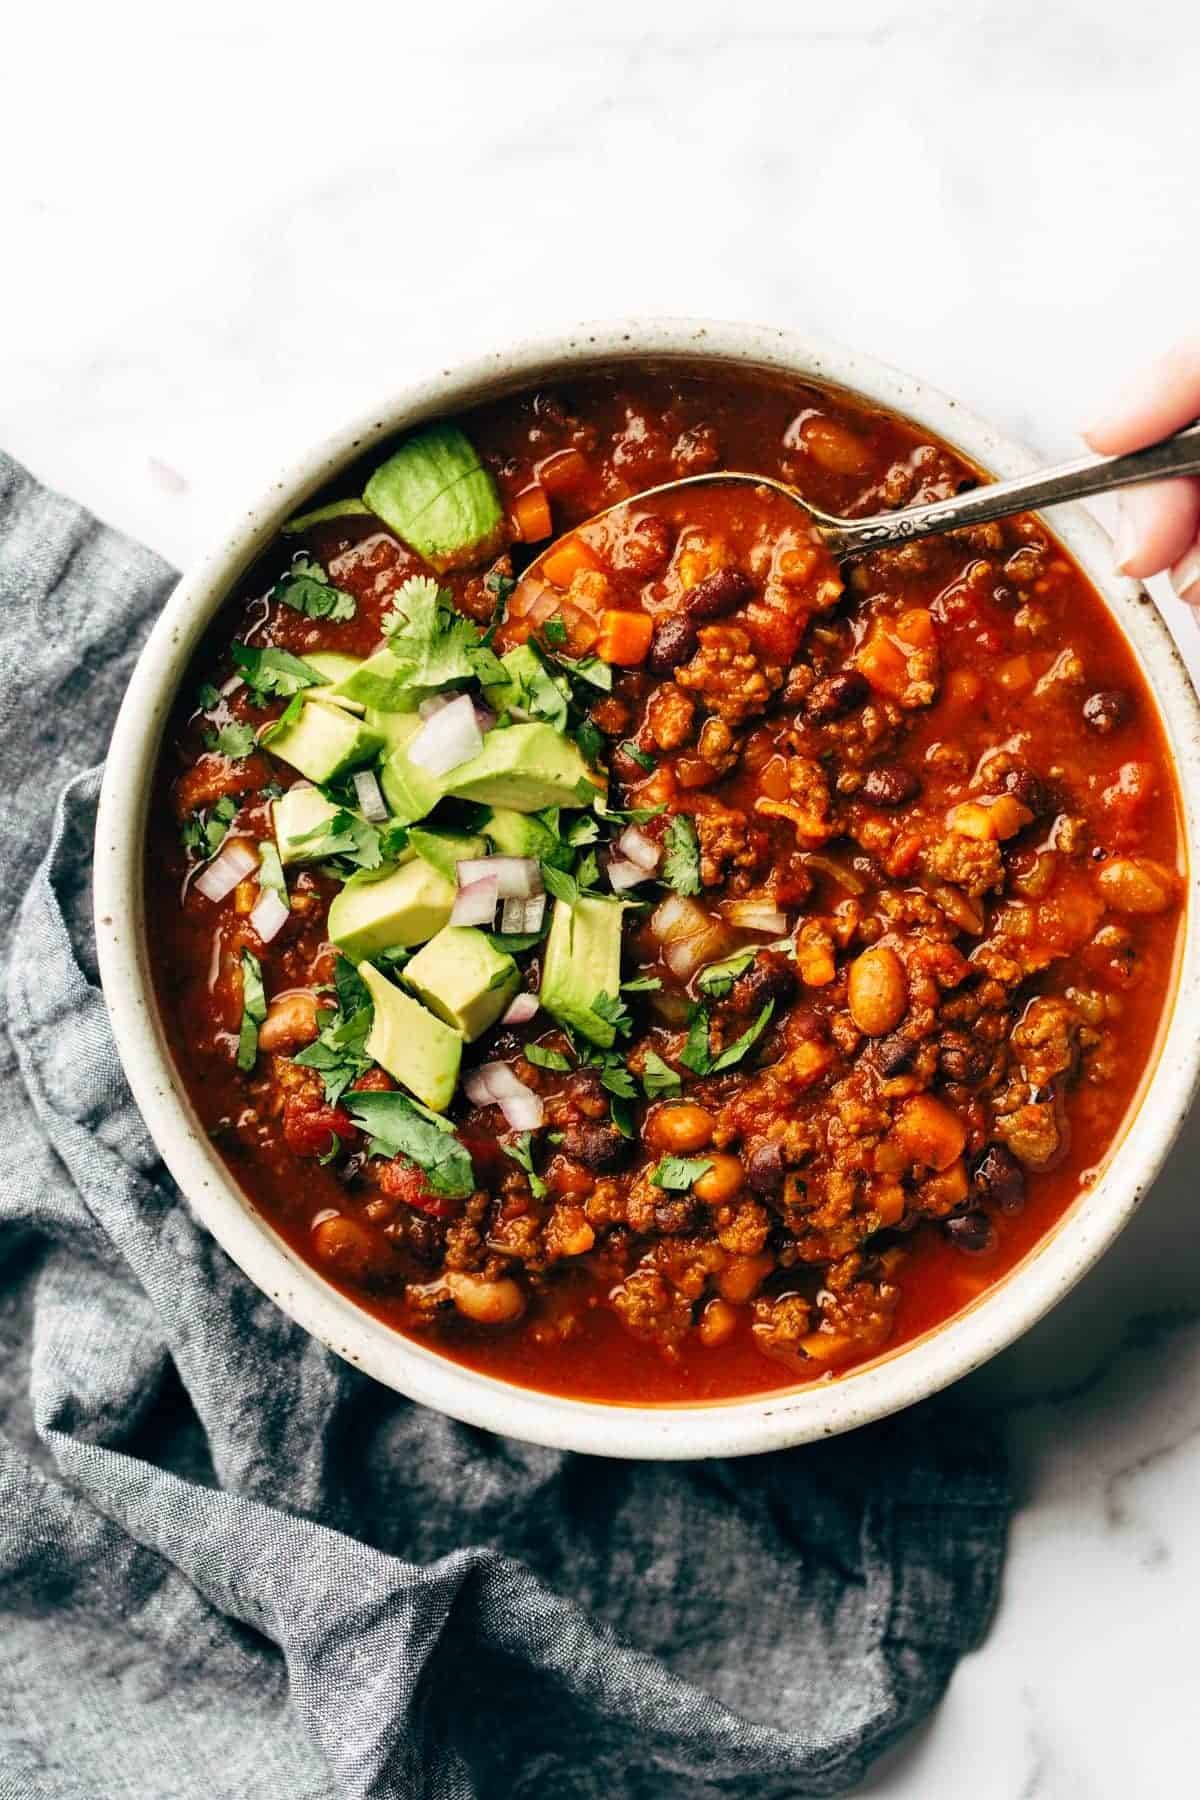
column 1125, row 537
column 1185, row 576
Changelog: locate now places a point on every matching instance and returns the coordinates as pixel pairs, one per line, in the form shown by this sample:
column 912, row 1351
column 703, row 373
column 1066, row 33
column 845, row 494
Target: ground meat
column 974, row 864
column 1046, row 1041
column 670, row 716
column 1033, row 1133
column 727, row 841
column 726, row 675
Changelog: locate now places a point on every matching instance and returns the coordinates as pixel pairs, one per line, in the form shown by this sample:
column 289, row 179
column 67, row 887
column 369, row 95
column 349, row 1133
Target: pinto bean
column 674, row 642
column 878, row 990
column 720, row 1183
column 486, row 1302
column 679, row 1128
column 350, row 1248
column 1137, row 884
column 291, row 1021
column 719, row 593
column 890, row 785
column 718, row 1322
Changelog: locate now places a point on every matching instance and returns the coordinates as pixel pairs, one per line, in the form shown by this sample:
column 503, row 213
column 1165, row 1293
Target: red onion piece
column 476, row 903
column 490, row 1082
column 637, row 848
column 451, row 737
column 231, row 686
column 370, row 796
column 535, row 912
column 523, row 1008
column 270, row 915
column 433, row 704
column 485, row 718
column 624, row 874
column 232, row 863
column 516, row 877
column 523, row 1111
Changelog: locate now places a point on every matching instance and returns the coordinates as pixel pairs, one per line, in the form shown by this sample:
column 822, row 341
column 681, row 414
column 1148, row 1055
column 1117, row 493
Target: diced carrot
column 963, row 687
column 1015, row 673
column 562, row 472
column 625, row 638
column 531, row 515
column 567, row 559
column 884, row 665
column 915, row 627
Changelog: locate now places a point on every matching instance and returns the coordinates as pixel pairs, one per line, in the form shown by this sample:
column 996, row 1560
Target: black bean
column 674, row 642
column 835, row 695
column 961, row 1057
column 719, row 593
column 764, row 1169
column 893, row 1055
column 972, row 1232
column 599, row 1147
column 999, row 1179
column 890, row 785
column 769, row 977
column 1106, row 711
column 1024, row 786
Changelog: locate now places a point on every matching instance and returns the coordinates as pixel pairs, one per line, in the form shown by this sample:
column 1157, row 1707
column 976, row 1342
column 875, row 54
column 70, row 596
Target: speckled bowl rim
column 719, row 1428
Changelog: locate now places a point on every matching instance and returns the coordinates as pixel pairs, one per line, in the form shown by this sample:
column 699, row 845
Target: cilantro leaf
column 613, row 1010
column 622, row 1115
column 719, row 977
column 398, row 1126
column 615, row 1077
column 339, row 1055
column 334, row 1150
column 542, row 1058
column 346, row 836
column 642, row 984
column 254, row 1011
column 274, row 674
column 235, row 741
column 426, row 634
column 521, row 1151
column 584, row 830
column 554, row 631
column 204, row 832
column 695, row 1054
column 514, row 942
column 637, row 755
column 499, row 586
column 587, row 874
column 564, row 887
column 677, row 1173
column 735, row 1052
column 307, row 589
column 207, row 696
column 659, row 1077
column 681, row 864
column 591, row 669
column 590, row 739
column 270, row 869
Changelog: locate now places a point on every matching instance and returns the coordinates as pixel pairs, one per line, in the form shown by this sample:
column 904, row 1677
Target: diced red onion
column 523, row 1111
column 270, row 915
column 492, row 1082
column 232, row 863
column 433, row 704
column 678, row 917
column 624, row 874
column 685, row 955
column 757, row 915
column 231, row 686
column 547, row 602
column 476, row 903
column 637, row 848
column 370, row 796
column 516, row 877
column 485, row 718
column 451, row 737
column 523, row 1008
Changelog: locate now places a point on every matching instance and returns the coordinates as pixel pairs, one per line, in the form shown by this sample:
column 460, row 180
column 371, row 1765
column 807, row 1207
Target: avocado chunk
column 523, row 834
column 320, row 515
column 409, row 790
column 436, row 495
column 421, row 1052
column 463, row 979
column 529, row 683
column 380, row 682
column 324, row 741
column 395, row 728
column 582, row 960
column 296, row 814
column 524, row 768
column 444, row 850
column 390, row 911
column 334, row 666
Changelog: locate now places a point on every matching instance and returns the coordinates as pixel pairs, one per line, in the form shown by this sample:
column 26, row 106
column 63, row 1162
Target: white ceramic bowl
column 722, row 1428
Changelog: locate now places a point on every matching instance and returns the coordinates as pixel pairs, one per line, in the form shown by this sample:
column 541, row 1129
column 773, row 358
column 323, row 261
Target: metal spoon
column 1177, row 455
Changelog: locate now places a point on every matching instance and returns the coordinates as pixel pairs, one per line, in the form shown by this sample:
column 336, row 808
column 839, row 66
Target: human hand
column 1160, row 522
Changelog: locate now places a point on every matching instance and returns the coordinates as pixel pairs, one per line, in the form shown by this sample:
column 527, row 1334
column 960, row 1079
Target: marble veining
column 229, row 234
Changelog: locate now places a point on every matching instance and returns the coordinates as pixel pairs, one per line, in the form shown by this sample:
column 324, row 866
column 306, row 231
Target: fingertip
column 1160, row 400
column 1158, row 523
column 1185, row 577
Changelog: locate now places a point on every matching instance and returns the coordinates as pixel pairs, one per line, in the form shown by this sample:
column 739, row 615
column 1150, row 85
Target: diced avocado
column 390, row 911
column 294, row 815
column 437, row 496
column 420, row 1051
column 380, row 682
column 444, row 850
column 394, row 728
column 336, row 509
column 522, row 834
column 334, row 666
column 463, row 979
column 523, row 767
column 583, row 959
column 409, row 790
column 325, row 741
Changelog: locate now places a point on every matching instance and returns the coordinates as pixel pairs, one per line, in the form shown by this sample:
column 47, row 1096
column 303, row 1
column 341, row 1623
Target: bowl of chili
column 694, row 1001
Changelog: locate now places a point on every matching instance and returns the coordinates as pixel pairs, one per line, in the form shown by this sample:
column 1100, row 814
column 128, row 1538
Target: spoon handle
column 1178, row 455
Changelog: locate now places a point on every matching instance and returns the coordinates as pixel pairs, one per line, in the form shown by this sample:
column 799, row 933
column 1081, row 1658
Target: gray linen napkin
column 230, row 1565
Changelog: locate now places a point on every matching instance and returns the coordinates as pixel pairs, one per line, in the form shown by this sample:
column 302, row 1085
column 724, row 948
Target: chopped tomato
column 403, row 1180
column 309, row 1130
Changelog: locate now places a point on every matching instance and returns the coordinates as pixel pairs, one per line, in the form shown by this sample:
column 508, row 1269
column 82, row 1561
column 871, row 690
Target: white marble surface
column 227, row 228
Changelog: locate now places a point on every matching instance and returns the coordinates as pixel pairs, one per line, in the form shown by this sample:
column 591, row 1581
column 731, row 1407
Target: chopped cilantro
column 288, row 716
column 642, row 984
column 564, row 887
column 681, row 864
column 486, row 666
column 254, row 1010
column 542, row 1058
column 514, row 942
column 615, row 1077
column 554, row 631
column 272, row 674
column 697, row 1054
column 398, row 1126
column 677, row 1173
column 719, row 977
column 207, row 696
column 614, row 1011
column 590, row 740
column 637, row 755
column 270, row 870
column 587, row 874
column 204, row 832
column 338, row 1054
column 235, row 741
column 592, row 669
column 659, row 1077
column 333, row 1150
column 424, row 632
column 622, row 1116
column 521, row 1151
column 346, row 836
column 499, row 586
column 584, row 830
column 307, row 589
